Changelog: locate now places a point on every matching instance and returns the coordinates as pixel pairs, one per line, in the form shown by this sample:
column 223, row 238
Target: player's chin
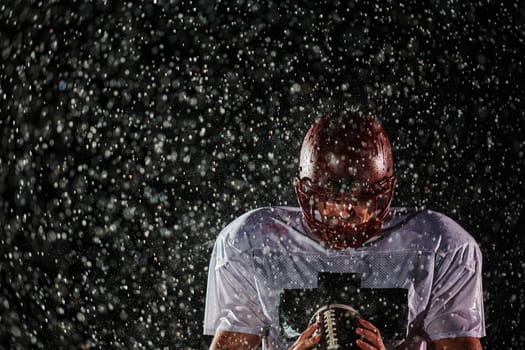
column 337, row 221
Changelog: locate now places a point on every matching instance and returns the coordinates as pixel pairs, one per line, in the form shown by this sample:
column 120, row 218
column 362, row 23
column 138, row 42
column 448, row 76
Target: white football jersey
column 419, row 280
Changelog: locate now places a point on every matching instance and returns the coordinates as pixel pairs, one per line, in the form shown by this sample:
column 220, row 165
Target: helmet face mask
column 345, row 183
column 344, row 219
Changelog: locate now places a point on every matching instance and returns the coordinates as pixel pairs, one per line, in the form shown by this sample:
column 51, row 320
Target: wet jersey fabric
column 419, row 280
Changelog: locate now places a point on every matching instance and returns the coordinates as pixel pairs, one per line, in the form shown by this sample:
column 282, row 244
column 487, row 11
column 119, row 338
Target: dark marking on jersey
column 386, row 308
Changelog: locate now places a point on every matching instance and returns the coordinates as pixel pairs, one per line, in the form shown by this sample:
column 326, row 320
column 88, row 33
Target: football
column 337, row 326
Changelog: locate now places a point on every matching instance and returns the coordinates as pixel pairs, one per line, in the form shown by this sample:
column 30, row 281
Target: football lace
column 330, row 329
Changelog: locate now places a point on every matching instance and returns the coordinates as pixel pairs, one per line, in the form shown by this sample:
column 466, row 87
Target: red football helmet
column 346, row 182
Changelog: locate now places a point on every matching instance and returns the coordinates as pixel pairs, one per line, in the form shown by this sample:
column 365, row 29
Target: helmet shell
column 354, row 148
column 346, row 146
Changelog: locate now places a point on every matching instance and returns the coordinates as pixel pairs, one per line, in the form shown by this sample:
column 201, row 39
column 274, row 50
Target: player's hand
column 370, row 336
column 307, row 339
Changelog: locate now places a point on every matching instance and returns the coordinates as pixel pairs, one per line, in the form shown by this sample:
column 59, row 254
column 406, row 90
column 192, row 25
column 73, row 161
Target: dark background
column 132, row 133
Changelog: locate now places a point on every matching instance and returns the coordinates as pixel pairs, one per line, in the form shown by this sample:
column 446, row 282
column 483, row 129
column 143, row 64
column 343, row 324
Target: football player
column 414, row 275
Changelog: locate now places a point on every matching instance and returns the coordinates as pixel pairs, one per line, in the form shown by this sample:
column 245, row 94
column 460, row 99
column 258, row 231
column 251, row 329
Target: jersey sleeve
column 232, row 302
column 456, row 301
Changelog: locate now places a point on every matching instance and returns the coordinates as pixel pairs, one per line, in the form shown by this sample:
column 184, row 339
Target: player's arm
column 460, row 343
column 226, row 340
column 456, row 290
column 372, row 340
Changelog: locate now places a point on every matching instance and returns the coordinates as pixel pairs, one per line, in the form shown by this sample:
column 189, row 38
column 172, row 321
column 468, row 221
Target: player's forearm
column 460, row 343
column 225, row 340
